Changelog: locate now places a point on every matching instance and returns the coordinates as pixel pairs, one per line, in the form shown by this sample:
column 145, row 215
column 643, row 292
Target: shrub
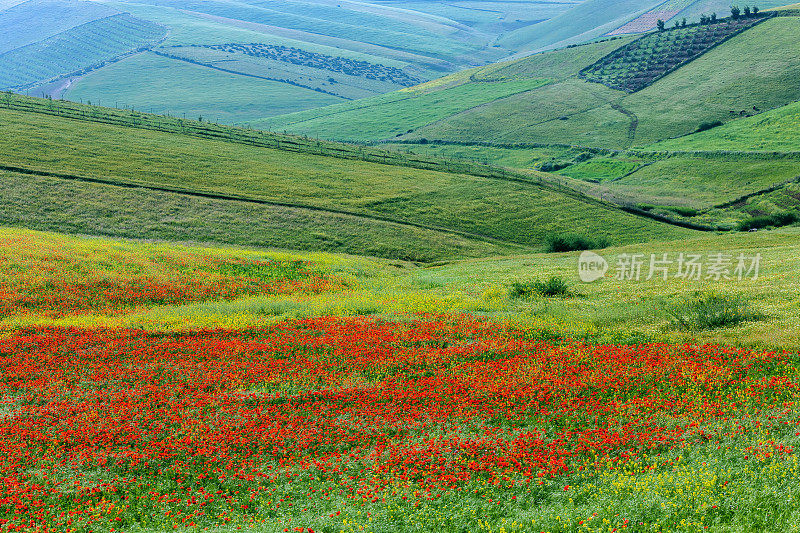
column 555, row 286
column 553, row 165
column 777, row 220
column 683, row 210
column 705, row 126
column 710, row 310
column 573, row 242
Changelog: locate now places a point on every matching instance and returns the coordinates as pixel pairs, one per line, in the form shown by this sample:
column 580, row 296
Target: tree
column 704, row 19
column 755, row 11
column 735, row 12
column 746, row 11
column 713, row 18
column 683, row 23
column 661, row 25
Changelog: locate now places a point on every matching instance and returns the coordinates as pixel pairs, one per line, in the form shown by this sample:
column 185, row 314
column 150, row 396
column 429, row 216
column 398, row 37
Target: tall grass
column 710, row 310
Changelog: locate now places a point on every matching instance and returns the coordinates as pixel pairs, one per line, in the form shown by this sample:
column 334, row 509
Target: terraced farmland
column 77, row 49
column 642, row 62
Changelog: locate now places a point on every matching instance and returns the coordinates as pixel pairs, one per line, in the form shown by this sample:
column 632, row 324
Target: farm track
column 634, row 125
column 211, row 195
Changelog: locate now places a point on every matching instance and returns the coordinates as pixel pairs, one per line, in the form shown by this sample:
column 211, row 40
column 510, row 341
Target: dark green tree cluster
column 747, row 12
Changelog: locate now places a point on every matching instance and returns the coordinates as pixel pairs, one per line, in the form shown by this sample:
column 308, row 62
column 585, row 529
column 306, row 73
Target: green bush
column 683, row 211
column 554, row 165
column 705, row 126
column 710, row 310
column 572, row 242
column 777, row 220
column 555, row 286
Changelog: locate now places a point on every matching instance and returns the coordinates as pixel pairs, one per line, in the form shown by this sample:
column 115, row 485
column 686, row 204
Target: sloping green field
column 777, row 130
column 588, row 20
column 395, row 114
column 721, row 85
column 32, row 21
column 142, row 81
column 502, row 213
column 76, row 49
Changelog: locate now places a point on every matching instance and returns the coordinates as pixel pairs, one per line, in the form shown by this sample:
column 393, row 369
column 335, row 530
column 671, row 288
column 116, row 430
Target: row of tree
column 736, row 14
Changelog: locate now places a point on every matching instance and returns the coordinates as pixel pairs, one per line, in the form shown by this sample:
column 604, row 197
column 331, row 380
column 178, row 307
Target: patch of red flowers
column 59, row 291
column 124, row 427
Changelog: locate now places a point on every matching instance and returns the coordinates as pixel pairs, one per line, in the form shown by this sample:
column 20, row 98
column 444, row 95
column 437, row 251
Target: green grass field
column 24, row 23
column 149, row 82
column 703, row 182
column 584, row 22
column 94, row 209
column 718, row 86
column 520, row 158
column 776, row 130
column 392, row 115
column 451, row 203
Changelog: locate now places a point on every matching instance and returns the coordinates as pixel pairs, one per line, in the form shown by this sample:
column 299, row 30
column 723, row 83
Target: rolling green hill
column 194, row 91
column 753, row 71
column 497, row 90
column 50, row 17
column 452, row 214
column 777, row 130
column 339, row 50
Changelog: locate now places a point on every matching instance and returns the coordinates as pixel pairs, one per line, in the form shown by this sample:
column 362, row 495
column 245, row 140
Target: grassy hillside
column 497, row 93
column 702, row 182
column 647, row 59
column 756, row 69
column 506, row 213
column 495, row 16
column 395, row 114
column 144, row 80
column 75, row 207
column 776, row 130
column 32, row 21
column 720, row 85
column 383, row 48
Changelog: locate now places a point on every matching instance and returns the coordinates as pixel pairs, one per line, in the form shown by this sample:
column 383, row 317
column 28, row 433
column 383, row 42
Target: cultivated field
column 142, row 81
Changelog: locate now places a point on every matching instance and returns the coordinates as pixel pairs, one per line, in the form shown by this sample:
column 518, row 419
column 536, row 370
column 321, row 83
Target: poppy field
column 375, row 422
column 54, row 278
column 359, row 424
